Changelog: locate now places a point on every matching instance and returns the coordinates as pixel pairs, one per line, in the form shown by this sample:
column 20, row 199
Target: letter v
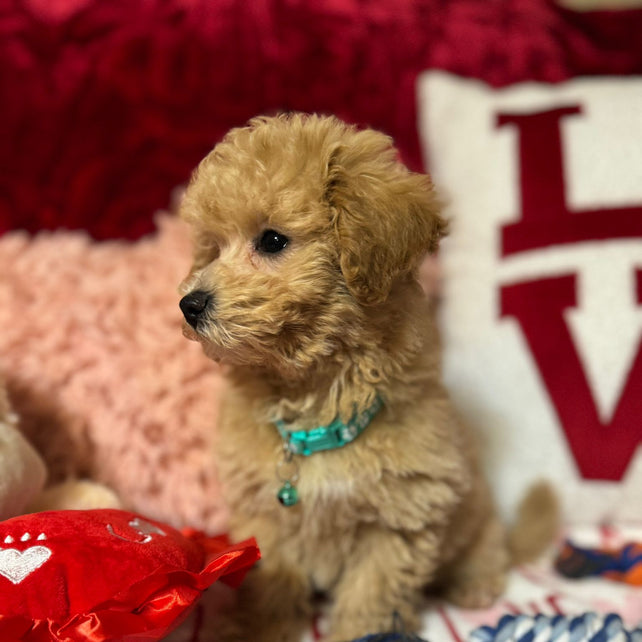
column 601, row 450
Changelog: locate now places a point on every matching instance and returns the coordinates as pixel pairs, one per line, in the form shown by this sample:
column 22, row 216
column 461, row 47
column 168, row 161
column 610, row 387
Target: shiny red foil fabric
column 105, row 107
column 102, row 575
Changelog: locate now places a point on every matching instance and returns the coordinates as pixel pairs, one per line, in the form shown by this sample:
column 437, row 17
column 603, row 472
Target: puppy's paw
column 476, row 592
column 351, row 628
column 230, row 629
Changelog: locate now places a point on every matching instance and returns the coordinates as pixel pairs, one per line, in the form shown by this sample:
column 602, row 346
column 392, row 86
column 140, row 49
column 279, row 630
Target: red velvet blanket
column 105, row 107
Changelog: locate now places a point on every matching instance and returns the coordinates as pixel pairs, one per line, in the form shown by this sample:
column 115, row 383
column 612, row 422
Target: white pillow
column 542, row 313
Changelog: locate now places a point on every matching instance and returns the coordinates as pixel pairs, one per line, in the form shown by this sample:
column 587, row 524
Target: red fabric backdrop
column 106, row 106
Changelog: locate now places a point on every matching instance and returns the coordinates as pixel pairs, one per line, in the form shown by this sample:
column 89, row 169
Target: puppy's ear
column 385, row 217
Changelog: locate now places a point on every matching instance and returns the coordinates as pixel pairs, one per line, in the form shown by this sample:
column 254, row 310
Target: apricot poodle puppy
column 338, row 447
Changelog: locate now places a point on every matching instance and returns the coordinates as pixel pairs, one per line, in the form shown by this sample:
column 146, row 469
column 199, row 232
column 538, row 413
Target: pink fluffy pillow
column 98, row 369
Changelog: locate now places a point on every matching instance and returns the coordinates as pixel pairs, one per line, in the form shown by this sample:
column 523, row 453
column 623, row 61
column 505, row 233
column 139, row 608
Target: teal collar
column 335, row 435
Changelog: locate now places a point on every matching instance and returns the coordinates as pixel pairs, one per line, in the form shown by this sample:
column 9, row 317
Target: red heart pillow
column 106, row 575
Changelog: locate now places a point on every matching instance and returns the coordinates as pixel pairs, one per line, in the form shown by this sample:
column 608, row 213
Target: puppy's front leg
column 384, row 575
column 272, row 605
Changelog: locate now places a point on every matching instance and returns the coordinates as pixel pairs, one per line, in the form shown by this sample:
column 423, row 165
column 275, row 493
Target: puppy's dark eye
column 271, row 242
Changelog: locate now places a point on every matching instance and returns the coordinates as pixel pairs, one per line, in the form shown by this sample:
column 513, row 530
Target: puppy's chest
column 251, row 462
column 326, row 525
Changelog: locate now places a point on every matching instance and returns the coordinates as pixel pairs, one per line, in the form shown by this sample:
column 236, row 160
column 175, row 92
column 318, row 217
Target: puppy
column 308, row 234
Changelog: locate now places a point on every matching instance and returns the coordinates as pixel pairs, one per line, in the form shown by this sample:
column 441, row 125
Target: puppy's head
column 301, row 225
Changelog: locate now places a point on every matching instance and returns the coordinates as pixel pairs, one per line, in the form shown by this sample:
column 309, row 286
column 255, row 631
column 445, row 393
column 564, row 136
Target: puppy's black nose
column 194, row 305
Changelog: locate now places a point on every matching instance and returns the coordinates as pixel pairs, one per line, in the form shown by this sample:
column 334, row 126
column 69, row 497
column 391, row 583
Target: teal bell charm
column 287, row 471
column 288, row 495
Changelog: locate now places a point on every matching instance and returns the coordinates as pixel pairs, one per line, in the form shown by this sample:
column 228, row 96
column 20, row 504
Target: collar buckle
column 335, row 435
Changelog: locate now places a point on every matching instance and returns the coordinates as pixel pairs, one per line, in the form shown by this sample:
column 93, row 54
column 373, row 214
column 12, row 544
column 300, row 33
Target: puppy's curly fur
column 316, row 331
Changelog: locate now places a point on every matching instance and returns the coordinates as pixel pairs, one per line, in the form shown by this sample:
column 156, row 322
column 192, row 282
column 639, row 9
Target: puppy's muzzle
column 194, row 306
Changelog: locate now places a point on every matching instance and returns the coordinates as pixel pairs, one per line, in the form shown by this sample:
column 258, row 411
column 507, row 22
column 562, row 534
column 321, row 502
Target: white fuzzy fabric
column 22, row 471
